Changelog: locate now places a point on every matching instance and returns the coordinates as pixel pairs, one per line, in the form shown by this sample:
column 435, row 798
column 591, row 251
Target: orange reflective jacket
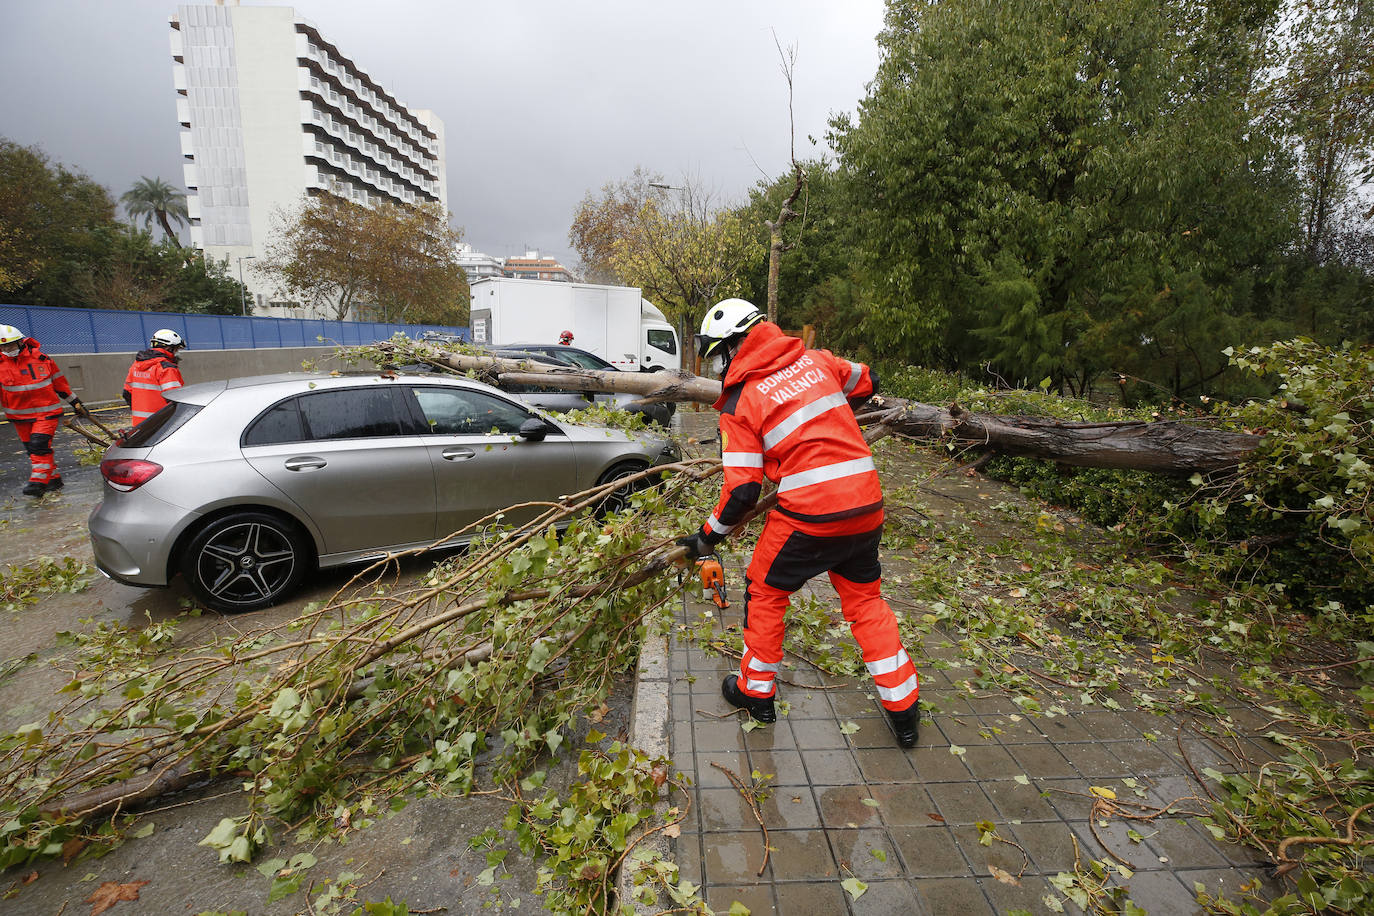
column 31, row 385
column 786, row 413
column 153, row 372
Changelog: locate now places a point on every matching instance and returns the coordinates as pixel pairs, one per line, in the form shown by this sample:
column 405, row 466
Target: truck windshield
column 663, row 340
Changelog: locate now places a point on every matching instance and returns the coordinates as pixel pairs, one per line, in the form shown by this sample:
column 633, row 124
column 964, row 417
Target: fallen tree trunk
column 1170, row 446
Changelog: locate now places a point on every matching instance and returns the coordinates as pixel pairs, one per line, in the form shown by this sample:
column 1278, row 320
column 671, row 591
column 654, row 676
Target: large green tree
column 154, row 200
column 54, row 223
column 1319, row 92
column 1051, row 189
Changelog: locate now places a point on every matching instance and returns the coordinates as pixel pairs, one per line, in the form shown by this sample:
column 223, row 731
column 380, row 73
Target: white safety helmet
column 727, row 318
column 167, row 338
column 9, row 334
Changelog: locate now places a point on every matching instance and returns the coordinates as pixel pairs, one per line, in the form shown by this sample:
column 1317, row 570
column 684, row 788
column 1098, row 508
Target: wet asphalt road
column 420, row 855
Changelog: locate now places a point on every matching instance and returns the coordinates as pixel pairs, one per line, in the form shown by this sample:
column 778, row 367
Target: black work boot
column 34, row 488
column 906, row 725
column 54, row 484
column 761, row 710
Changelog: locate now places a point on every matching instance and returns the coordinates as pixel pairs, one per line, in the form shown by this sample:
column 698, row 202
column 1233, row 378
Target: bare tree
column 776, row 245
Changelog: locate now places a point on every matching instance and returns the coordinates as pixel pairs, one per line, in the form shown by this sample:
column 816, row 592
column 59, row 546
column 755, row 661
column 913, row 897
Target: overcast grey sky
column 542, row 100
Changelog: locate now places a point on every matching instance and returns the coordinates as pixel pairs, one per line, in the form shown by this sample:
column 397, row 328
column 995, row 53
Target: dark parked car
column 246, row 486
column 585, row 359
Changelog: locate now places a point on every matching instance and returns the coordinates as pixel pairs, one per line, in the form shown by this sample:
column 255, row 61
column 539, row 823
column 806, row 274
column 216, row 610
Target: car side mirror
column 534, row 429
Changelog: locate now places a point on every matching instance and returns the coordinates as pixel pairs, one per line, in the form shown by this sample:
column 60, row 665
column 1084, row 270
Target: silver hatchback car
column 246, row 486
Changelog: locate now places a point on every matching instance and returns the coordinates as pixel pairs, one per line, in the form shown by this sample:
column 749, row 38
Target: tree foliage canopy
column 50, row 223
column 1052, row 189
column 1318, row 92
column 61, row 245
column 154, row 200
column 386, row 262
column 681, row 249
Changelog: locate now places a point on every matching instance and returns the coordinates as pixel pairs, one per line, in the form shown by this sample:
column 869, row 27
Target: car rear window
column 166, row 420
column 282, row 423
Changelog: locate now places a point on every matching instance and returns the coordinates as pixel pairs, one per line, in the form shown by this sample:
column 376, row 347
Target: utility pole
column 243, row 290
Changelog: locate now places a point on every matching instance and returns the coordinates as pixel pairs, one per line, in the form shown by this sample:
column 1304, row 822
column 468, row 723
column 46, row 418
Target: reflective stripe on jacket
column 31, row 385
column 786, row 414
column 153, row 372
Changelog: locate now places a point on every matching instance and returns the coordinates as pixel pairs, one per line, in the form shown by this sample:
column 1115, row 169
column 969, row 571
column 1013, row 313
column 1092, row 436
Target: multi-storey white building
column 272, row 111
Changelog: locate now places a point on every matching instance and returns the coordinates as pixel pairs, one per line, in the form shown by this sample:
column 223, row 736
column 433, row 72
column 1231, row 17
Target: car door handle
column 457, row 453
column 306, row 463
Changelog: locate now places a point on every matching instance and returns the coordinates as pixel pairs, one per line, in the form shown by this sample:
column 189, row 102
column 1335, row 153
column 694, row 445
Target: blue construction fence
column 69, row 330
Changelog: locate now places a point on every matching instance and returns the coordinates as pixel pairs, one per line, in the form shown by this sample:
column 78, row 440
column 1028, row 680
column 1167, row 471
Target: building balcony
column 341, row 120
column 346, row 147
column 360, row 87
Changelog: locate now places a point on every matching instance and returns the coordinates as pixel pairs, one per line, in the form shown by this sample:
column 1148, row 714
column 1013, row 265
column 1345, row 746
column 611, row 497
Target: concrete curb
column 649, row 733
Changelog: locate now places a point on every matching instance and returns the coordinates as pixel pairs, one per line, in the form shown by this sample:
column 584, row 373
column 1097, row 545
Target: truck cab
column 658, row 350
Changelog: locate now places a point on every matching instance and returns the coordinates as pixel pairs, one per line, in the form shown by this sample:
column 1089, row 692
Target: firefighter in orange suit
column 154, row 372
column 32, row 389
column 787, row 413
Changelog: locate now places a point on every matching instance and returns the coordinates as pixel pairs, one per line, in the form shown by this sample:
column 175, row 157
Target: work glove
column 79, row 409
column 696, row 546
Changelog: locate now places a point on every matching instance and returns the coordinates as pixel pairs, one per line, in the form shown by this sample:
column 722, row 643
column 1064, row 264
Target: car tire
column 618, row 500
column 245, row 561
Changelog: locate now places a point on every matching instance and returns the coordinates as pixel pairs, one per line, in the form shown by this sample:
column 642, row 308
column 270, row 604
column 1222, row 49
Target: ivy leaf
column 854, row 887
column 269, row 868
column 285, row 886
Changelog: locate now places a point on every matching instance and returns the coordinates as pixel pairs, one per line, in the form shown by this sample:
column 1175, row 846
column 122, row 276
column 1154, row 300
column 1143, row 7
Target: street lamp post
column 243, row 290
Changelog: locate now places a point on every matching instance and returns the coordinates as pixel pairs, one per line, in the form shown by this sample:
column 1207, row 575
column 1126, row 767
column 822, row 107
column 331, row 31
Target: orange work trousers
column 37, row 438
column 785, row 558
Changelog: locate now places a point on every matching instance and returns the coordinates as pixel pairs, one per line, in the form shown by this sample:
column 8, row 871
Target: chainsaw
column 712, row 576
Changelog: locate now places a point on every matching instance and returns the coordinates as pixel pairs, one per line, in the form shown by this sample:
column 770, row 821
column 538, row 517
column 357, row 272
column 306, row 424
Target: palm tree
column 153, row 198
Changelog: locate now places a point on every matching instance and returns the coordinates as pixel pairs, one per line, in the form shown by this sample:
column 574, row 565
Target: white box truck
column 614, row 322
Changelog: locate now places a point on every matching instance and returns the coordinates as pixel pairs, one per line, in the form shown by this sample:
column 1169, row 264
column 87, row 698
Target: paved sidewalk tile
column 841, row 800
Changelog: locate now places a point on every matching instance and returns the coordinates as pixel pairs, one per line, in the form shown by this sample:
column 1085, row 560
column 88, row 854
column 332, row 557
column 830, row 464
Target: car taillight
column 127, row 474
